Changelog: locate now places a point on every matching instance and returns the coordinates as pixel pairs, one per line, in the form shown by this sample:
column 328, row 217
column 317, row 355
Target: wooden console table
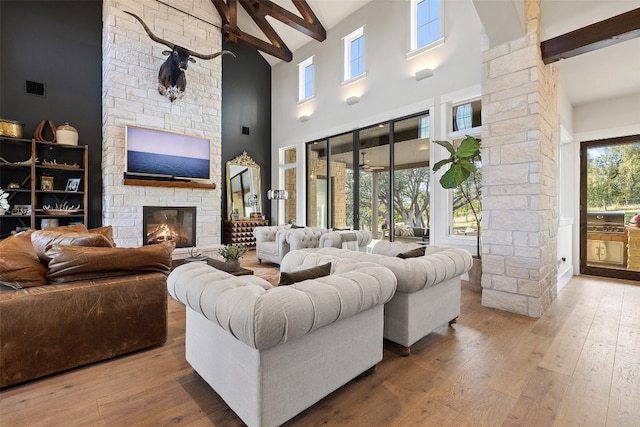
column 240, row 232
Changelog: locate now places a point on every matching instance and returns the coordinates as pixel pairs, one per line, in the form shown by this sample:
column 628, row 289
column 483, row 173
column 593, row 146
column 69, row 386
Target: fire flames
column 165, row 231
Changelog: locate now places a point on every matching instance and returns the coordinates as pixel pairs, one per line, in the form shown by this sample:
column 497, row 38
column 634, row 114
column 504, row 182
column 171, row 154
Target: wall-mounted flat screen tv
column 162, row 154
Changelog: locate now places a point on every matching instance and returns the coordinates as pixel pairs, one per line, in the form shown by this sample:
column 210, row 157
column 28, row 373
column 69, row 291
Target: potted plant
column 231, row 255
column 462, row 168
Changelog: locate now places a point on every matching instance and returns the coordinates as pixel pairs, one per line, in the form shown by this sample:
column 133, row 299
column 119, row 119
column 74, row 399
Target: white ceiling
column 602, row 74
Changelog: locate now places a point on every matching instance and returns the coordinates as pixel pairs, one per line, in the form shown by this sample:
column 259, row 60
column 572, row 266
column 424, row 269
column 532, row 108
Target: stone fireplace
column 178, row 224
column 130, row 97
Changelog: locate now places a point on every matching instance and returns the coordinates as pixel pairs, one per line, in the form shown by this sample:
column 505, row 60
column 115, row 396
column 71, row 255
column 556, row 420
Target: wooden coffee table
column 220, row 265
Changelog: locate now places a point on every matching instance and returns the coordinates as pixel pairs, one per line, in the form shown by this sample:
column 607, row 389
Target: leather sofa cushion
column 19, row 263
column 41, row 239
column 72, row 263
column 106, row 231
column 289, row 278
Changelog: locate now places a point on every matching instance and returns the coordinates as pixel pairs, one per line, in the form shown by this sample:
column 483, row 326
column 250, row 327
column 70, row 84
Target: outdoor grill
column 605, row 222
column 606, row 239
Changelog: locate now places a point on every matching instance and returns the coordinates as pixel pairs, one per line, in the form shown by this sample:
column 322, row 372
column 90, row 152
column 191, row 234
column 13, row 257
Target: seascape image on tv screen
column 152, row 152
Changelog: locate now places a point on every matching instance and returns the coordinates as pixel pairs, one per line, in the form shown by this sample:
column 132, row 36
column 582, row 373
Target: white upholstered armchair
column 355, row 240
column 275, row 241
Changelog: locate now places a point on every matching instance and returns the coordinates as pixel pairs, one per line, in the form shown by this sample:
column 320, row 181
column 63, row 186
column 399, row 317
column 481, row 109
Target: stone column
column 520, row 161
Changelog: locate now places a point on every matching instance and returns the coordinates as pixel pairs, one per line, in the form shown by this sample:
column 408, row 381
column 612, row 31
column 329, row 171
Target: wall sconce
column 423, row 74
column 353, row 100
column 304, row 118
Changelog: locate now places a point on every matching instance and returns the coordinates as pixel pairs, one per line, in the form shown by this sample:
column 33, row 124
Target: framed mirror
column 243, row 188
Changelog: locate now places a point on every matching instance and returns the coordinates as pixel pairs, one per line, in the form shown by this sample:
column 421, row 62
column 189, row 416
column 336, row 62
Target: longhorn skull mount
column 172, row 80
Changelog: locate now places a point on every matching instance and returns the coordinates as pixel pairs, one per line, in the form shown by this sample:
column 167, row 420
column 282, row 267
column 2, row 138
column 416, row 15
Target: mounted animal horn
column 171, row 78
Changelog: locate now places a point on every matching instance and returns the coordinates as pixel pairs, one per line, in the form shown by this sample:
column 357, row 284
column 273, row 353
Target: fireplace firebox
column 162, row 223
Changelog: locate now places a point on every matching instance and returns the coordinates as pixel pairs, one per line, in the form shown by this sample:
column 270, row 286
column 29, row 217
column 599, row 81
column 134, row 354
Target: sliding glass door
column 374, row 179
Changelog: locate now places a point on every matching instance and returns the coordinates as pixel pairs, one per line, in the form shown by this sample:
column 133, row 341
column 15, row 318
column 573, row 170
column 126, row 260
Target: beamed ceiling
column 594, row 42
column 307, row 23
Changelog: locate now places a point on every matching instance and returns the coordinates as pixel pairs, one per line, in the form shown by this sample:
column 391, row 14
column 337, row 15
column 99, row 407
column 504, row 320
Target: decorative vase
column 67, row 134
column 475, row 276
column 232, row 264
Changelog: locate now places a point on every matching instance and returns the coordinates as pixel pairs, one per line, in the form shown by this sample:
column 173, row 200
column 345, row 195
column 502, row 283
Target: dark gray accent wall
column 59, row 44
column 246, row 102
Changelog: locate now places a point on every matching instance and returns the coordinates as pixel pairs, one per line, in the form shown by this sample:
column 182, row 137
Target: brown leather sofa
column 82, row 304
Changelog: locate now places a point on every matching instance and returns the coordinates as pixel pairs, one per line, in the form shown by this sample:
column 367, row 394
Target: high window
column 305, row 79
column 426, row 23
column 354, row 54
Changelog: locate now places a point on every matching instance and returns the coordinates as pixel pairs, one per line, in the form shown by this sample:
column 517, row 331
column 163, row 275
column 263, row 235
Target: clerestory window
column 426, row 23
column 305, row 79
column 354, row 54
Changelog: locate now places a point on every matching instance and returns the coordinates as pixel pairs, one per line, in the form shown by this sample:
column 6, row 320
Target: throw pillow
column 41, row 239
column 300, row 275
column 72, row 263
column 106, row 231
column 413, row 253
column 19, row 263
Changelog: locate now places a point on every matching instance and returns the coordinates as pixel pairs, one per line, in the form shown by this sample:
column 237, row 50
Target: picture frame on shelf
column 21, row 210
column 73, row 184
column 46, row 183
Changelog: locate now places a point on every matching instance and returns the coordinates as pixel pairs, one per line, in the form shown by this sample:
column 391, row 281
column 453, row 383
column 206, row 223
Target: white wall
column 607, row 119
column 389, row 89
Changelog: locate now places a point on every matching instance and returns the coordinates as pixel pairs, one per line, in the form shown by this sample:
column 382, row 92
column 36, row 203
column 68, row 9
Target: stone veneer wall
column 131, row 61
column 520, row 161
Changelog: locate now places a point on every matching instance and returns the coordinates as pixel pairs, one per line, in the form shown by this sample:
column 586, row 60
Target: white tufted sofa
column 428, row 293
column 275, row 241
column 341, row 239
column 271, row 352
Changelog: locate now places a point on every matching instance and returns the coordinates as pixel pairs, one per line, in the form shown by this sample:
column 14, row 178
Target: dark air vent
column 245, row 130
column 35, row 88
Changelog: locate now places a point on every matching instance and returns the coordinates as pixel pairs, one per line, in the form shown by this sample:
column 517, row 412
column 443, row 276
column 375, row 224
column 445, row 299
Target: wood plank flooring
column 578, row 365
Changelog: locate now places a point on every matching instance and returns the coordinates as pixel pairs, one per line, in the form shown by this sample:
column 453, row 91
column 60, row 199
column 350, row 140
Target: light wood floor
column 578, row 365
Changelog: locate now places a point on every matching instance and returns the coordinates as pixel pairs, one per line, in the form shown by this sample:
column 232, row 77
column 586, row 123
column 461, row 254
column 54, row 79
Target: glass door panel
column 610, row 198
column 341, row 155
column 290, row 184
column 411, row 210
column 373, row 174
column 317, row 201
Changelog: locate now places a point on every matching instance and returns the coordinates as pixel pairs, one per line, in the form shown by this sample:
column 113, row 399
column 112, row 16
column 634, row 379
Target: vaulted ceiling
column 305, row 22
column 278, row 28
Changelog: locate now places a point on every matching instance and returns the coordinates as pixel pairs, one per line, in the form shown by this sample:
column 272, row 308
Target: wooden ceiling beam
column 308, row 25
column 605, row 33
column 247, row 39
column 258, row 11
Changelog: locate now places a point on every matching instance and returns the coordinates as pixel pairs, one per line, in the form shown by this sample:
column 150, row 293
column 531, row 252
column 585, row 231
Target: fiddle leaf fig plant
column 461, row 167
